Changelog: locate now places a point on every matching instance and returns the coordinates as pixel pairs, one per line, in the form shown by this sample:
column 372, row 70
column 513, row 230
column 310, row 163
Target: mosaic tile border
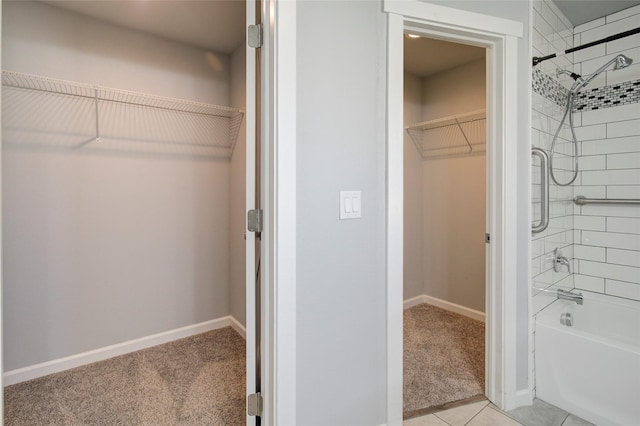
column 590, row 99
column 549, row 87
column 608, row 96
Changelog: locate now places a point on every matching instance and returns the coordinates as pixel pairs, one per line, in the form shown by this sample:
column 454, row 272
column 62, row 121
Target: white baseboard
column 458, row 309
column 55, row 366
column 239, row 328
column 524, row 398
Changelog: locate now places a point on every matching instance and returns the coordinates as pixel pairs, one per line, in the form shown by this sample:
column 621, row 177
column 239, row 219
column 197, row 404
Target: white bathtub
column 591, row 369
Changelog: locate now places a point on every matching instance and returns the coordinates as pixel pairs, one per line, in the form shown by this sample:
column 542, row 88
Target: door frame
column 499, row 36
column 278, row 195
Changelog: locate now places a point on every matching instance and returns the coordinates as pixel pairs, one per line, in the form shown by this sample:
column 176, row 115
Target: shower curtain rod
column 538, row 59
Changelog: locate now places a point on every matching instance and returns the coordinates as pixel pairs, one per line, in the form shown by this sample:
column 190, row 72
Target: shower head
column 622, row 62
column 618, row 62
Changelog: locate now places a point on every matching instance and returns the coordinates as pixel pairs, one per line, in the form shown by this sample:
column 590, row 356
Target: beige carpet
column 199, row 380
column 443, row 359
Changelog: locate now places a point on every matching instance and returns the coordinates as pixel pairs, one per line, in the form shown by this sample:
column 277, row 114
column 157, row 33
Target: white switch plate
column 350, row 204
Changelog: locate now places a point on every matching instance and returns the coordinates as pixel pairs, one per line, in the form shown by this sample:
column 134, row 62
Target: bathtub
column 591, row 369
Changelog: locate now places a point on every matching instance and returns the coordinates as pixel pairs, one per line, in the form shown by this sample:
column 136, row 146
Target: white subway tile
column 593, row 162
column 609, row 115
column 626, row 191
column 606, row 270
column 597, row 254
column 591, row 191
column 633, row 10
column 629, row 73
column 622, row 289
column 540, row 24
column 585, row 282
column 611, row 177
column 623, row 257
column 542, row 299
column 611, row 146
column 610, row 210
column 590, row 223
column 611, row 239
column 607, row 30
column 623, row 161
column 589, row 25
column 590, row 53
column 623, row 224
column 542, row 281
column 577, row 235
column 588, row 133
column 623, row 128
column 622, row 44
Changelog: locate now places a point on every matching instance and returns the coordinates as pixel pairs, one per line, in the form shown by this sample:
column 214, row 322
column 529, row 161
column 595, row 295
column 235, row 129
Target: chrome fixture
column 568, row 295
column 559, row 261
column 544, row 190
column 619, row 62
column 581, row 200
column 566, row 319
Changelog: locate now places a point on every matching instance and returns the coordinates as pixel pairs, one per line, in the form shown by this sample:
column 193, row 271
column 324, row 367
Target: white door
column 252, row 202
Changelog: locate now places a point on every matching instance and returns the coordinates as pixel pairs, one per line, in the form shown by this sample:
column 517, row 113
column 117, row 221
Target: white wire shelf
column 46, row 111
column 456, row 135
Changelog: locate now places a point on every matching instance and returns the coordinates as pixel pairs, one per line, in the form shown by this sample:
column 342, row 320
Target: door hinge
column 254, row 220
column 254, row 404
column 487, row 238
column 254, row 35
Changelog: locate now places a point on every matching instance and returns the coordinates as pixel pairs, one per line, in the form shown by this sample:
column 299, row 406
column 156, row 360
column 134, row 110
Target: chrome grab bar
column 581, row 200
column 544, row 190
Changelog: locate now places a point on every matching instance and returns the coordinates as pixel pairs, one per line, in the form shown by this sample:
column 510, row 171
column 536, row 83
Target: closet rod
column 538, row 59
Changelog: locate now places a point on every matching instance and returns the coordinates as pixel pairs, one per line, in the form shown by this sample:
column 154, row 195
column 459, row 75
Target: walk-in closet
column 444, row 224
column 123, row 194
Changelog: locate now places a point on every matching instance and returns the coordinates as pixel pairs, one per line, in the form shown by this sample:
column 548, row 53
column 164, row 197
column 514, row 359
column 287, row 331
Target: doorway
column 499, row 37
column 445, row 172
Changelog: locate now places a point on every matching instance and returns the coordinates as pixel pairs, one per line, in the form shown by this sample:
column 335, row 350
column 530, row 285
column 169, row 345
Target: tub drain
column 566, row 319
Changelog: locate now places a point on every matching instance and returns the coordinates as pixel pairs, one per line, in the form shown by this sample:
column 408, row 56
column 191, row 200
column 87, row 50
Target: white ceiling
column 424, row 57
column 581, row 11
column 217, row 25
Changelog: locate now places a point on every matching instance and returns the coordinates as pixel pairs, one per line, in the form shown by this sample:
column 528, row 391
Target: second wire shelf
column 455, row 135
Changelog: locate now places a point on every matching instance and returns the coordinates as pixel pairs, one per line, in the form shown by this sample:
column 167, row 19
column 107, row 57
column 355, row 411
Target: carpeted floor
column 443, row 359
column 199, row 380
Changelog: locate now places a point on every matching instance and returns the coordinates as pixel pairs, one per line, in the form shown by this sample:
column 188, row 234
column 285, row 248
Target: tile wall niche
column 607, row 238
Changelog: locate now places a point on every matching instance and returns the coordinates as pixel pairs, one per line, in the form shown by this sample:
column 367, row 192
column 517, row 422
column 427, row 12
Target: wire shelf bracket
column 457, row 135
column 51, row 107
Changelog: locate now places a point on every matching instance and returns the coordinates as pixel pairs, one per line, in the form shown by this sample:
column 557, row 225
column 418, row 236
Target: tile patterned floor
column 484, row 413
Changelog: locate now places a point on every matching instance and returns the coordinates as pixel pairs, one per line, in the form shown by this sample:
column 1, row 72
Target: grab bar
column 581, row 200
column 544, row 190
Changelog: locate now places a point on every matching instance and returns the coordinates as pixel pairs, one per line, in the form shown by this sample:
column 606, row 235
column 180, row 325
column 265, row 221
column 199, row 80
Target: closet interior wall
column 445, row 214
column 103, row 247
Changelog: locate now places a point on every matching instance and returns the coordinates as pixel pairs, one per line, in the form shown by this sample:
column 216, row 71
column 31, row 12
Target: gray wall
column 237, row 182
column 106, row 246
column 341, row 362
column 454, row 195
column 413, row 214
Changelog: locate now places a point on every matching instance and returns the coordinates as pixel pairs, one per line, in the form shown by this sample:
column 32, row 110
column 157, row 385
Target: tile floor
column 484, row 413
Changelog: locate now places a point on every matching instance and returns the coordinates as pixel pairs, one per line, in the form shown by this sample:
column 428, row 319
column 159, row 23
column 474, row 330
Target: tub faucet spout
column 568, row 295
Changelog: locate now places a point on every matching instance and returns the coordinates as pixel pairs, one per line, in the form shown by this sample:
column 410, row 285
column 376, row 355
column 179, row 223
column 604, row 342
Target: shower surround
column 602, row 242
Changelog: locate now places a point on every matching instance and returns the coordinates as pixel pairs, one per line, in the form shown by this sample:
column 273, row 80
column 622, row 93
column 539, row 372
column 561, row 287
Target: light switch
column 350, row 204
